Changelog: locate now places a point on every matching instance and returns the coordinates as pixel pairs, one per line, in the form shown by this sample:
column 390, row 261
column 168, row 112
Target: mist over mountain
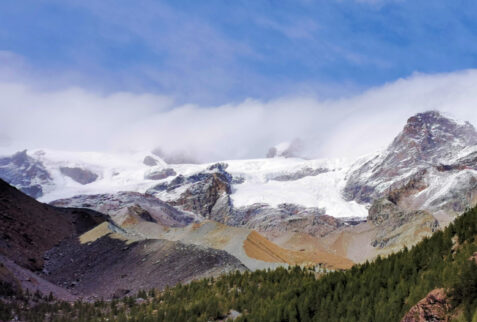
column 349, row 126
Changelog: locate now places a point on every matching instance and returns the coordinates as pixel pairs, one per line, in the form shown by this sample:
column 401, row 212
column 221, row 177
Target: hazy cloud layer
column 77, row 119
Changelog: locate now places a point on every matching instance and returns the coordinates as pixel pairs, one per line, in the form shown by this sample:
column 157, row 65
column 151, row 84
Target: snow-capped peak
column 428, row 139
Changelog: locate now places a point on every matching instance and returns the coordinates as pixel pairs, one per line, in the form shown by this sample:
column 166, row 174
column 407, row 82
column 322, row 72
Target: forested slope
column 383, row 290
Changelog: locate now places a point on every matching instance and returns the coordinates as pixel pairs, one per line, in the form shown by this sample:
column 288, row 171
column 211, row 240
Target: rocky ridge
column 80, row 252
column 208, row 194
column 427, row 173
column 26, row 173
column 130, row 206
column 427, row 140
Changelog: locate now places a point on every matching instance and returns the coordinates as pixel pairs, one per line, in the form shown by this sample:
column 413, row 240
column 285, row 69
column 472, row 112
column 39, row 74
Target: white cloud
column 77, row 119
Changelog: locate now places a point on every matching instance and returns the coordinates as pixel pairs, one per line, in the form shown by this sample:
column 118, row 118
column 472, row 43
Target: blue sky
column 219, row 51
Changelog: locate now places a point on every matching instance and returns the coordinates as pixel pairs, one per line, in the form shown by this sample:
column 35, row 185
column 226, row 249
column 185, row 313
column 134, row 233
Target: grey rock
column 80, row 175
column 389, row 217
column 145, row 206
column 25, row 173
column 206, row 188
column 160, row 174
column 208, row 194
column 220, row 166
column 286, row 217
column 302, row 173
column 150, row 161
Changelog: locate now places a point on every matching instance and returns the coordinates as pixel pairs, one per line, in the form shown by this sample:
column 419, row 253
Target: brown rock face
column 414, row 185
column 29, row 228
column 433, row 307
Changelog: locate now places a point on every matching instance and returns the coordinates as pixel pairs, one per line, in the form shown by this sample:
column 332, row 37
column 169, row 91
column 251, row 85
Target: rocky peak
column 20, row 158
column 428, row 139
column 431, row 136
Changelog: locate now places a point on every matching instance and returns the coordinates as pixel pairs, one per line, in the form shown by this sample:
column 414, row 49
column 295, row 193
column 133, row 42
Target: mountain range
column 97, row 225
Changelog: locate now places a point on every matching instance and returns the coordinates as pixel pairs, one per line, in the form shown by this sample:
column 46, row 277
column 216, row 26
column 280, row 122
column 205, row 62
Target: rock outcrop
column 209, row 195
column 286, row 218
column 130, row 206
column 300, row 174
column 206, row 193
column 25, row 173
column 150, row 161
column 434, row 307
column 80, row 175
column 394, row 224
column 159, row 174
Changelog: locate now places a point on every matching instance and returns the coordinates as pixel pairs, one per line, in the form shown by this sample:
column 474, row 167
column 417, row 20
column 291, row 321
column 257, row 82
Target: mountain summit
column 428, row 139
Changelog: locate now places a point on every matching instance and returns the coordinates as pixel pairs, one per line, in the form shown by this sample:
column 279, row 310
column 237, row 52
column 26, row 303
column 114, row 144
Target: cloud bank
column 80, row 119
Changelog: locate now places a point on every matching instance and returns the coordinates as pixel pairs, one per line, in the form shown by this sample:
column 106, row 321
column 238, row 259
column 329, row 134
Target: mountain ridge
column 424, row 179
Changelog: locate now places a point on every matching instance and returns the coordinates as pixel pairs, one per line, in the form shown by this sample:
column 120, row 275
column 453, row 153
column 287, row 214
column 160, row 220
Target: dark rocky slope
column 29, row 228
column 111, row 266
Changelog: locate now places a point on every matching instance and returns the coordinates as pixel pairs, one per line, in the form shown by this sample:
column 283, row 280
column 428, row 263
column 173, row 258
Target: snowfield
column 322, row 190
column 126, row 171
